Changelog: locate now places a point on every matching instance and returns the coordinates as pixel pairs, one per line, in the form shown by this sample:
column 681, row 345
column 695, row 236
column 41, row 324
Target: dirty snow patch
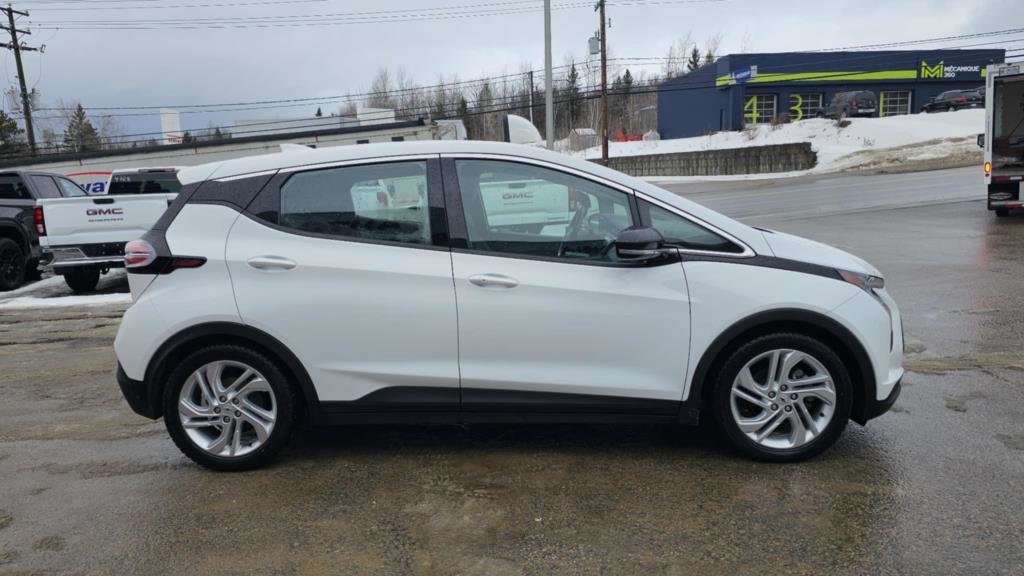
column 62, row 301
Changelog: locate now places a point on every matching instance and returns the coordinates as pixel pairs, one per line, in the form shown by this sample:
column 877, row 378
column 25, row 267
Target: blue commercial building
column 741, row 89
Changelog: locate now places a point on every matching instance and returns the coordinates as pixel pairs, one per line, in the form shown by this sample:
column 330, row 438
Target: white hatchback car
column 268, row 294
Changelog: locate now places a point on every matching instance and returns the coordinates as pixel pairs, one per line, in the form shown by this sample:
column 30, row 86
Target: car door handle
column 270, row 263
column 493, row 280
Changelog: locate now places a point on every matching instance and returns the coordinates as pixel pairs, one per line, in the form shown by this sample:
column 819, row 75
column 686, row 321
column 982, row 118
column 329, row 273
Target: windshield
column 146, row 183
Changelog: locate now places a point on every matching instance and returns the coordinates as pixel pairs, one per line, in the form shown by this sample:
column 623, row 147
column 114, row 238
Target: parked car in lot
column 850, row 104
column 266, row 295
column 84, row 237
column 20, row 192
column 953, row 100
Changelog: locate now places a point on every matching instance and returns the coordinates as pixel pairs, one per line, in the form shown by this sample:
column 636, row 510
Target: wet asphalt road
column 934, row 487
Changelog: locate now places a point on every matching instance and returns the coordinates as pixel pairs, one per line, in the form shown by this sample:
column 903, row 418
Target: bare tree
column 381, row 90
column 675, row 61
column 747, row 42
column 711, row 46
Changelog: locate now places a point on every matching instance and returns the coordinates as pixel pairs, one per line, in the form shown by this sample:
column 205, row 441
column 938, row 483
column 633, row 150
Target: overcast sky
column 171, row 67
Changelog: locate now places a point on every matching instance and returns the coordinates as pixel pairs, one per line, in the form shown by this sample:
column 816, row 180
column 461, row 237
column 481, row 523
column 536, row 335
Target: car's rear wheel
column 82, row 279
column 12, row 265
column 782, row 397
column 229, row 408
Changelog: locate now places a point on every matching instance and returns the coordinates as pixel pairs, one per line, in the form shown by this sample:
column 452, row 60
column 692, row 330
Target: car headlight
column 865, row 282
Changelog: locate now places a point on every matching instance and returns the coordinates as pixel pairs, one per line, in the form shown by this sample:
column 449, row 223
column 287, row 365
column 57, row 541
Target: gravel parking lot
column 934, row 487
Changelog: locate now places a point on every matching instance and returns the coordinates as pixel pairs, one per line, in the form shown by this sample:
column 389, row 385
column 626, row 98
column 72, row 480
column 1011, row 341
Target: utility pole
column 549, row 88
column 16, row 46
column 531, row 97
column 604, row 84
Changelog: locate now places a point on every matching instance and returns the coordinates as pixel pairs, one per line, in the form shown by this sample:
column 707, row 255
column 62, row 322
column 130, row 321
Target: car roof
column 154, row 170
column 293, row 158
column 311, row 157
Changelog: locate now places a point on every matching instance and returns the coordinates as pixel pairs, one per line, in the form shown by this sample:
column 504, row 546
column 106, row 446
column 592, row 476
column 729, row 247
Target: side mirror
column 981, row 140
column 640, row 244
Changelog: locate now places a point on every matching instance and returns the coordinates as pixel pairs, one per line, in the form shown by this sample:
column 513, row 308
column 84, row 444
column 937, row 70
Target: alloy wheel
column 783, row 399
column 227, row 409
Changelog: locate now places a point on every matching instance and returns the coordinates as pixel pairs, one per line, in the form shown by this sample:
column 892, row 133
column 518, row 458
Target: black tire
column 32, row 272
column 1002, row 212
column 12, row 265
column 721, row 394
column 283, row 393
column 82, row 279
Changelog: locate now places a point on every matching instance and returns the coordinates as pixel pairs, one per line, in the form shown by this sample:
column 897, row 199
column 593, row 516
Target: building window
column 362, row 141
column 759, row 109
column 894, row 102
column 398, row 138
column 802, row 106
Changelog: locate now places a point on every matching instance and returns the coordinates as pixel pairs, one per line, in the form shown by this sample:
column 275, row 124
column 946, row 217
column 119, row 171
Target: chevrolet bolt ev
column 462, row 282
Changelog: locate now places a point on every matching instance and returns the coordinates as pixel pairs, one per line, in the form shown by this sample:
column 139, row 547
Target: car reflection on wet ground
column 934, row 487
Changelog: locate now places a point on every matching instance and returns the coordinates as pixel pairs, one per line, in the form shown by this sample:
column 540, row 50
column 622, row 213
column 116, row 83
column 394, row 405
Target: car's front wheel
column 229, row 408
column 782, row 397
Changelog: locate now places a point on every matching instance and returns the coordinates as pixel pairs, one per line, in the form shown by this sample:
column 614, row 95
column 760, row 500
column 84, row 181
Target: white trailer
column 1004, row 137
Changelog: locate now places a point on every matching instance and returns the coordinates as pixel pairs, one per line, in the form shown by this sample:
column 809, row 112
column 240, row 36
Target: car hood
column 803, row 250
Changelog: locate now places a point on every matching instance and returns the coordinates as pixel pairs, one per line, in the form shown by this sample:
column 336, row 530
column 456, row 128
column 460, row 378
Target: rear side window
column 69, row 189
column 684, row 233
column 12, row 188
column 145, row 183
column 45, row 186
column 381, row 202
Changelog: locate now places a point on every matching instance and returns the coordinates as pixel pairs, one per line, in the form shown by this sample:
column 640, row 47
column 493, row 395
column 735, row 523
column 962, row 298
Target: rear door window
column 45, row 186
column 144, row 183
column 379, row 202
column 12, row 188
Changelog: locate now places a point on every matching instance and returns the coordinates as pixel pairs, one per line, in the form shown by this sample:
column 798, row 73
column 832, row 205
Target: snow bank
column 62, row 301
column 866, row 142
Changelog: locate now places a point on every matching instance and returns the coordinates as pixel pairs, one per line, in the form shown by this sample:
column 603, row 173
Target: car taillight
column 961, row 99
column 40, row 221
column 139, row 253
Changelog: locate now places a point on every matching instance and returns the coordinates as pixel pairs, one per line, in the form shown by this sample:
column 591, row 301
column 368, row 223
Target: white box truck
column 1004, row 137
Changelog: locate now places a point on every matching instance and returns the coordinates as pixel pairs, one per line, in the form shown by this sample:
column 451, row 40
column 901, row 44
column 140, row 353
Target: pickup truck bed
column 86, row 236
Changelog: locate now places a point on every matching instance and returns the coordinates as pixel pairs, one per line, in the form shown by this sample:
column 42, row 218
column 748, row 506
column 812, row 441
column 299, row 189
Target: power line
column 337, row 18
column 295, row 102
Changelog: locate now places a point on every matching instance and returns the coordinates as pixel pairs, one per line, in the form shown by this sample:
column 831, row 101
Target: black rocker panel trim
column 487, row 400
column 399, row 399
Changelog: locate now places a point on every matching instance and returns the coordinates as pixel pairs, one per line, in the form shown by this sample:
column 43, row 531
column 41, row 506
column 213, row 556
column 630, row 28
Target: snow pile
column 62, row 301
column 864, row 143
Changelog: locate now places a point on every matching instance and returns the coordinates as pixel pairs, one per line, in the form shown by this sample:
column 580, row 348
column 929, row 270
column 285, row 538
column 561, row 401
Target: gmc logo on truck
column 104, row 212
column 516, row 195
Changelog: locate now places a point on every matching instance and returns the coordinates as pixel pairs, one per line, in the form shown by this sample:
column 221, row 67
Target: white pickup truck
column 84, row 237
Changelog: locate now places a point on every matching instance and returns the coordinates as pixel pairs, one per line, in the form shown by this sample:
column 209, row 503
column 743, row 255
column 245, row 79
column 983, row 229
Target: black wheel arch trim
column 157, row 369
column 862, row 406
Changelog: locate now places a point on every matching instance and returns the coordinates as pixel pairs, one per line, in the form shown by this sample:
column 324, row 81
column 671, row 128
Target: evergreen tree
column 694, row 62
column 709, row 58
column 10, row 135
column 187, row 138
column 319, row 113
column 218, row 135
column 573, row 96
column 80, row 135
